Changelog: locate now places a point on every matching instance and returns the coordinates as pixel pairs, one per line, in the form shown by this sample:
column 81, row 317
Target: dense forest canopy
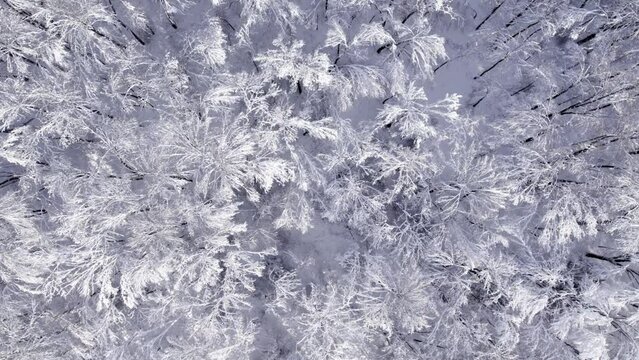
column 319, row 179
